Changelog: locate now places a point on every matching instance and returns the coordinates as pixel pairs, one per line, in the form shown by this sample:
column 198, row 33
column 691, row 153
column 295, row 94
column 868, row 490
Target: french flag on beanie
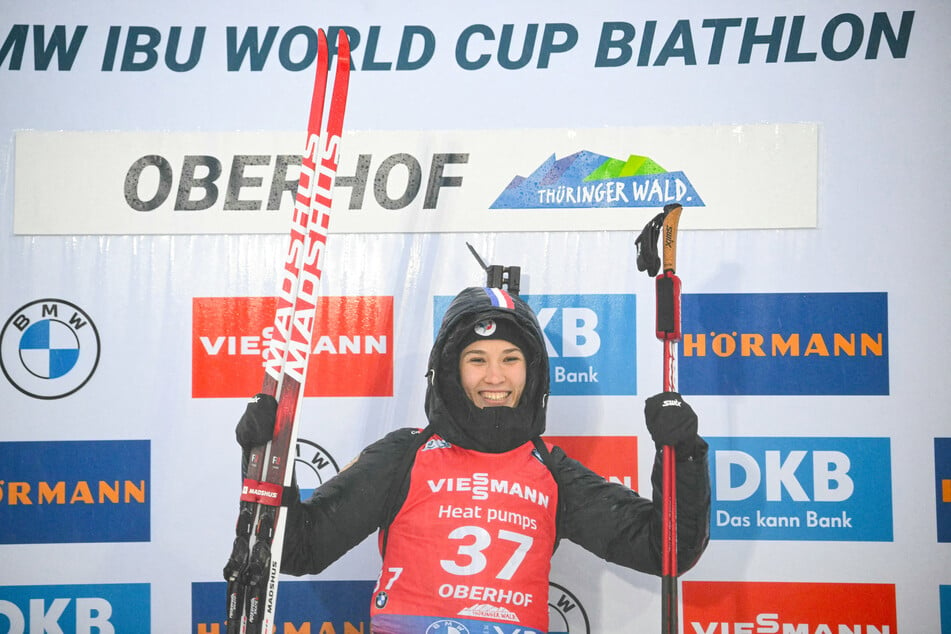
column 500, row 298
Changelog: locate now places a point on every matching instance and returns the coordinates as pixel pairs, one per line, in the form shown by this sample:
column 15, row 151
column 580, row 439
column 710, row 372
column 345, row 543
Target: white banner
column 729, row 177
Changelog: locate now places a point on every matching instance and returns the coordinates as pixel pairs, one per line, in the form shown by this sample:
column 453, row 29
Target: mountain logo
column 590, row 180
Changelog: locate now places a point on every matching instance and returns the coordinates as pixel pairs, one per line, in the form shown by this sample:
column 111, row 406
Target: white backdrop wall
column 877, row 239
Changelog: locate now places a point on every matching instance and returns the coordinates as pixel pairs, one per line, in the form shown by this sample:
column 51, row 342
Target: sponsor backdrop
column 148, row 159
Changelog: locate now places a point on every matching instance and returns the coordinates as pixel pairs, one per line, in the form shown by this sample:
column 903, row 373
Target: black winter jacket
column 607, row 519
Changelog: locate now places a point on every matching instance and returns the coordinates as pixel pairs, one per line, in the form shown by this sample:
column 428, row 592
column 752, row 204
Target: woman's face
column 492, row 373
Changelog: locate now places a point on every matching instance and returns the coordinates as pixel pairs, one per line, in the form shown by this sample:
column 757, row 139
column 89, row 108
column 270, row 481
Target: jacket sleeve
column 344, row 510
column 620, row 526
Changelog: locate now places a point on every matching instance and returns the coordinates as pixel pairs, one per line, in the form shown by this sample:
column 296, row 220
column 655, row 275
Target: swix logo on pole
column 351, row 350
column 724, row 607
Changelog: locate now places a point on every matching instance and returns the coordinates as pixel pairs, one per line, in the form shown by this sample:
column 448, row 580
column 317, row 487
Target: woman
column 471, row 508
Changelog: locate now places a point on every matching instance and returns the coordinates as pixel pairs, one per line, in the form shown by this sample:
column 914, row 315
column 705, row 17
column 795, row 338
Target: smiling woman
column 470, row 508
column 492, row 373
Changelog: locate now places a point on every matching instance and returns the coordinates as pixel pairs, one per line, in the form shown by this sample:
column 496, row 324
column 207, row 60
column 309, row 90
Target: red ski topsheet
column 352, row 353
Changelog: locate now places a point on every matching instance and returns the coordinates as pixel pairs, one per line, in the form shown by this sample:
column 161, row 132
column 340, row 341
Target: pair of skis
column 667, row 314
column 255, row 562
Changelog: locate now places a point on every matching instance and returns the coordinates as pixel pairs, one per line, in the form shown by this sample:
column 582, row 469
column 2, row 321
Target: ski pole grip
column 667, row 287
column 669, row 235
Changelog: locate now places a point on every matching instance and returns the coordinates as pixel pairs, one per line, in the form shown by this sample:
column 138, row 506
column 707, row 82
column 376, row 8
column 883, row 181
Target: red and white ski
column 252, row 571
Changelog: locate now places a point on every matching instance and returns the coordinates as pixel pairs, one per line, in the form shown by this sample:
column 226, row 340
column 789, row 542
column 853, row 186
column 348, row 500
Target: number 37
column 471, row 559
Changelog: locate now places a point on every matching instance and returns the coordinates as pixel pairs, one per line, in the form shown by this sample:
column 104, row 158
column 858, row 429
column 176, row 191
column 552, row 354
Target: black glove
column 671, row 421
column 257, row 423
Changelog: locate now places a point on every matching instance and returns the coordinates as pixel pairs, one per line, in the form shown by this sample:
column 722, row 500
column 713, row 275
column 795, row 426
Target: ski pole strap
column 647, row 257
column 265, row 492
column 667, row 286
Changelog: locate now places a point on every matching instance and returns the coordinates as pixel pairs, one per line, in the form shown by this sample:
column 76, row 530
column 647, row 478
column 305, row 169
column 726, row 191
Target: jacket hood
column 450, row 412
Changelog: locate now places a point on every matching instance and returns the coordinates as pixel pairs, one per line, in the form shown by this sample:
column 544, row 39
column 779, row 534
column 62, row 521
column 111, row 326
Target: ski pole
column 667, row 314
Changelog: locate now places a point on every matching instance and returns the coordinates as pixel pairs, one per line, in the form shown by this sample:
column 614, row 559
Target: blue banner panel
column 815, row 489
column 784, row 343
column 942, row 470
column 591, row 341
column 302, row 606
column 76, row 608
column 75, row 491
column 944, row 593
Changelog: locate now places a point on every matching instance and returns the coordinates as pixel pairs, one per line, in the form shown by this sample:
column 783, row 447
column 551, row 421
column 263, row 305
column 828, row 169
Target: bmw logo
column 49, row 348
column 566, row 615
column 447, row 626
column 314, row 466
